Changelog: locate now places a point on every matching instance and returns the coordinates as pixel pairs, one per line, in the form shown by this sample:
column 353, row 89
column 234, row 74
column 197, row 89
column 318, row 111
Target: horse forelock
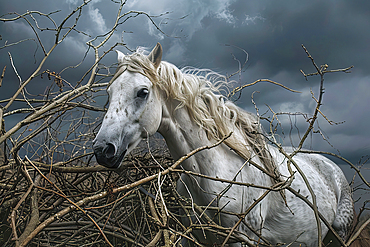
column 200, row 92
column 138, row 63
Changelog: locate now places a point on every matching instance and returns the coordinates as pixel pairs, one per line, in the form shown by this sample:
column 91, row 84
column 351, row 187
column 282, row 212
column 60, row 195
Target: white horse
column 148, row 95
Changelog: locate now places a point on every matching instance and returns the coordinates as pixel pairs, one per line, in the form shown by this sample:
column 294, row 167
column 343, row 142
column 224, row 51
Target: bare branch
column 237, row 89
column 2, row 75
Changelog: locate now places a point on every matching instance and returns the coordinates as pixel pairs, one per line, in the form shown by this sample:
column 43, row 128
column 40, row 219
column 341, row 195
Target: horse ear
column 155, row 55
column 120, row 56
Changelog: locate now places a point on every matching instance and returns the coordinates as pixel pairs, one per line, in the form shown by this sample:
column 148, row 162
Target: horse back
column 331, row 189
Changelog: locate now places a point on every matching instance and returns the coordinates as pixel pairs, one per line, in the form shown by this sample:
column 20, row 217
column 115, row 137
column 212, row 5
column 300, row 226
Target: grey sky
column 197, row 33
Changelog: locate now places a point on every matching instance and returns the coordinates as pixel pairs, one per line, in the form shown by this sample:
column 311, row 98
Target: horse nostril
column 109, row 151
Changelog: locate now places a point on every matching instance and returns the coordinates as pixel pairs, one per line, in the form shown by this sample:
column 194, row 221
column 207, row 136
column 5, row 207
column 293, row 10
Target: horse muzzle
column 106, row 154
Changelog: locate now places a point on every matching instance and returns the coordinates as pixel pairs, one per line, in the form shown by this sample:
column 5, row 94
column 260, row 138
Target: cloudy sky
column 213, row 34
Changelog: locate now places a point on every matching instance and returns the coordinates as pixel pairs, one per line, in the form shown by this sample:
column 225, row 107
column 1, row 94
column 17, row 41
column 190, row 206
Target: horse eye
column 142, row 93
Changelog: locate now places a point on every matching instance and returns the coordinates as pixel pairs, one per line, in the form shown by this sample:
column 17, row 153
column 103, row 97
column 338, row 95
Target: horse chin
column 112, row 163
column 117, row 164
column 118, row 161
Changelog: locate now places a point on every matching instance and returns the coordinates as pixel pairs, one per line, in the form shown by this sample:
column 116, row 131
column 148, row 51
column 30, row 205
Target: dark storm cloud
column 272, row 32
column 196, row 34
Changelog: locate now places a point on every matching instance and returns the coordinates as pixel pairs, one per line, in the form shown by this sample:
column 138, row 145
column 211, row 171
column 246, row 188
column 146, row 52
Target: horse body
column 139, row 107
column 272, row 218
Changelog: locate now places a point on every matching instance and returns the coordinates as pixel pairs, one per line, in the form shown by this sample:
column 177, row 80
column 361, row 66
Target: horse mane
column 199, row 91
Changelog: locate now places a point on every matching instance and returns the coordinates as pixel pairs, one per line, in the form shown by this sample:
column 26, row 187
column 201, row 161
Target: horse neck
column 181, row 133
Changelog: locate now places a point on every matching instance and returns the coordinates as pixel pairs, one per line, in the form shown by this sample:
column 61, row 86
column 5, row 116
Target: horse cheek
column 151, row 117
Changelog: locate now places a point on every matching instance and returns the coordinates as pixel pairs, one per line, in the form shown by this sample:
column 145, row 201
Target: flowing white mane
column 198, row 91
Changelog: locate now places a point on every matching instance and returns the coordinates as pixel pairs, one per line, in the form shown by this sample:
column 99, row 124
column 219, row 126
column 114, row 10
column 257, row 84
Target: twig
column 15, row 43
column 240, row 66
column 345, row 70
column 322, row 218
column 320, row 71
column 156, row 217
column 243, row 215
column 14, row 212
column 358, row 232
column 313, row 196
column 34, row 216
column 2, row 76
column 237, row 89
column 14, row 68
column 343, row 159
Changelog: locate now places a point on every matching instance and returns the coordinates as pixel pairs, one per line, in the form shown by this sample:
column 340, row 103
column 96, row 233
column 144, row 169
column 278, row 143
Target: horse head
column 134, row 111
